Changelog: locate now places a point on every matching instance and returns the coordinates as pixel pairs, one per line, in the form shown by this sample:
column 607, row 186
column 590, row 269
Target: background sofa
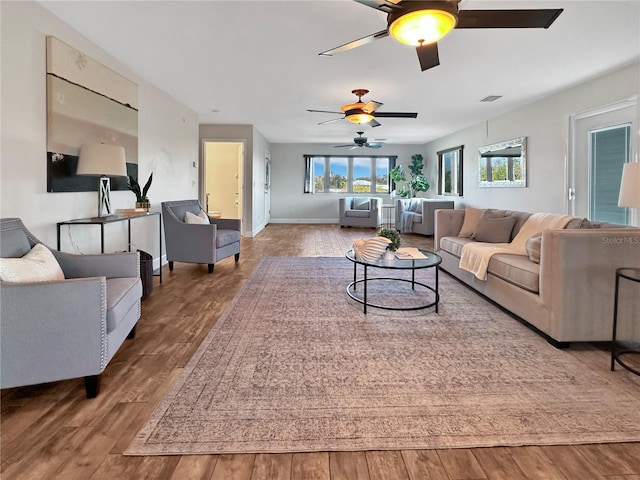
column 569, row 294
column 66, row 328
column 360, row 211
column 416, row 215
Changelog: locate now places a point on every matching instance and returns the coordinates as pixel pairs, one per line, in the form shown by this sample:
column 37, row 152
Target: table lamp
column 630, row 186
column 102, row 160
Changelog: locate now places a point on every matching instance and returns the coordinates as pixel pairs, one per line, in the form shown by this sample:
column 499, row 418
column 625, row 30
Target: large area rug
column 294, row 365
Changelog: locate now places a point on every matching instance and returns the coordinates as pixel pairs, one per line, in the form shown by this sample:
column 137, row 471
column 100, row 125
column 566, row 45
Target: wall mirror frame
column 503, row 164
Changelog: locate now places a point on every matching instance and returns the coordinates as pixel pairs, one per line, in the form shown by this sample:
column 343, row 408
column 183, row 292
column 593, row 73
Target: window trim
column 457, row 185
column 309, row 183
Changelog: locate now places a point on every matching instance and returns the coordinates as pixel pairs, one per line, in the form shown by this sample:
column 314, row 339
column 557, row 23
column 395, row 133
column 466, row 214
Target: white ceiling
column 257, row 62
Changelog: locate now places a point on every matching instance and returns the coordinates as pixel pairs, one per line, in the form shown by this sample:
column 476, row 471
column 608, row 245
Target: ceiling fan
column 359, row 142
column 361, row 112
column 423, row 23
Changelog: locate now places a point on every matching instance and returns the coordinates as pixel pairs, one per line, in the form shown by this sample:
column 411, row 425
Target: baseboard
column 304, row 220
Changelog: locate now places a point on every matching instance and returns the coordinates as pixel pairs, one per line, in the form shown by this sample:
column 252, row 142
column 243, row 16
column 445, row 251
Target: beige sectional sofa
column 568, row 296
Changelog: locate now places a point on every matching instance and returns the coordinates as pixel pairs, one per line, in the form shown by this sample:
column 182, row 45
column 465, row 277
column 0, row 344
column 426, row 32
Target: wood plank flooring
column 53, row 432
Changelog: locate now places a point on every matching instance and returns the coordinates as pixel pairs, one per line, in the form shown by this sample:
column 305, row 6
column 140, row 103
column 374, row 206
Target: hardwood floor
column 52, row 431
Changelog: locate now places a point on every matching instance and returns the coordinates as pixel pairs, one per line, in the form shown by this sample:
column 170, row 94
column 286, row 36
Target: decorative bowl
column 371, row 249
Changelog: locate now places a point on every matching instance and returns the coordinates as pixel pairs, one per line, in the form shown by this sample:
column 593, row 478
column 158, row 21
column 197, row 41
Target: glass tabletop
column 431, row 260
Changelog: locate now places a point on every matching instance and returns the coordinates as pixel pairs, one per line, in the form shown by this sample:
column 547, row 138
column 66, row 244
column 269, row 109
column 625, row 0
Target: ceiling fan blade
column 507, row 18
column 325, row 111
column 354, row 147
column 372, row 106
column 355, row 43
column 395, row 114
column 373, row 123
column 342, row 146
column 331, row 121
column 428, row 56
column 373, row 145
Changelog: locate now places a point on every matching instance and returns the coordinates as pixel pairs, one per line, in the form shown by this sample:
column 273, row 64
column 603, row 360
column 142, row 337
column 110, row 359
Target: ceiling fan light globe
column 358, row 117
column 422, row 26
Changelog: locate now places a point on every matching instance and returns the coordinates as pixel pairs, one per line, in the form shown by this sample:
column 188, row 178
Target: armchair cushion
column 200, row 219
column 226, row 237
column 122, row 294
column 361, row 204
column 39, row 265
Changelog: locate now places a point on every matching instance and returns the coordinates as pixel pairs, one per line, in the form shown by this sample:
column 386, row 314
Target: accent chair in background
column 417, row 215
column 192, row 236
column 62, row 315
column 360, row 211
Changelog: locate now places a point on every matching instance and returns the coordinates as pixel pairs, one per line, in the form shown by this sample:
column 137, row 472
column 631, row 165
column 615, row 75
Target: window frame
column 456, row 171
column 309, row 178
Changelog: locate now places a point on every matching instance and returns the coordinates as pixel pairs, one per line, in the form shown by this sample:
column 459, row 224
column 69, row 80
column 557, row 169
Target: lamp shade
column 422, row 26
column 630, row 186
column 102, row 160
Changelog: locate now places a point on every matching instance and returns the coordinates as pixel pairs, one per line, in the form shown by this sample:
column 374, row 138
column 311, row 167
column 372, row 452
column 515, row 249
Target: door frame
column 572, row 163
column 241, row 177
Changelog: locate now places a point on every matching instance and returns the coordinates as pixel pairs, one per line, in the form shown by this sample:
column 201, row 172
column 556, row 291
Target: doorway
column 602, row 142
column 223, row 178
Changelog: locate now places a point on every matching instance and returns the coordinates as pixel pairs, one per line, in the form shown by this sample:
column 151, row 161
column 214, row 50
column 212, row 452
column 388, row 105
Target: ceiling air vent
column 491, row 98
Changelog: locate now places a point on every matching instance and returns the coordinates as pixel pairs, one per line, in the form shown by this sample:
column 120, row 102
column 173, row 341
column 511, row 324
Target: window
column 450, row 171
column 348, row 174
column 610, row 150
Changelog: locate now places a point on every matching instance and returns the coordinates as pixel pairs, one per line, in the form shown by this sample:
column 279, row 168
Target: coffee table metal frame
column 632, row 274
column 432, row 260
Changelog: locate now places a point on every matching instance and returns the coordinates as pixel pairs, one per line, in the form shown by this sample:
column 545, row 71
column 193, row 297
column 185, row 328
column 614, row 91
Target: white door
column 603, row 142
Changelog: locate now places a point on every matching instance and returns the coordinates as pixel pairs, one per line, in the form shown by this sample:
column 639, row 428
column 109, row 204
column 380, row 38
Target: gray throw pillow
column 361, row 204
column 493, row 229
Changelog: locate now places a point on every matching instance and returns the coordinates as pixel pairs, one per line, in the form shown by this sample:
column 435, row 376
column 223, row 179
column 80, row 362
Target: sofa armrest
column 447, row 224
column 226, row 223
column 53, row 330
column 110, row 265
column 577, row 278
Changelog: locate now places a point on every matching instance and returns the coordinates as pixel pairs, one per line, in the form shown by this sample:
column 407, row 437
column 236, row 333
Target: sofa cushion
column 415, row 205
column 533, row 246
column 471, row 218
column 226, row 237
column 454, row 245
column 39, row 265
column 357, row 213
column 517, row 270
column 361, row 204
column 493, row 229
column 122, row 294
column 520, row 217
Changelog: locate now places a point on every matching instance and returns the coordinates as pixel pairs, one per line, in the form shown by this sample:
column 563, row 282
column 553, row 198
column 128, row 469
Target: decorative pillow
column 533, row 246
column 361, row 204
column 471, row 218
column 492, row 229
column 415, row 206
column 39, row 265
column 201, row 218
column 579, row 223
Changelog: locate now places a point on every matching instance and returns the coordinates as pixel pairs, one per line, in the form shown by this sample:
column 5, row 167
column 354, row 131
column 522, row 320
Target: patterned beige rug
column 294, row 365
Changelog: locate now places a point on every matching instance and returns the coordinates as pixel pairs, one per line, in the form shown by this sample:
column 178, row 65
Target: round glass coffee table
column 430, row 260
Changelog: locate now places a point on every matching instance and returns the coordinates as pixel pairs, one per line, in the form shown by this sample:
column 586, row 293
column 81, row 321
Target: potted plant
column 142, row 201
column 392, row 235
column 417, row 182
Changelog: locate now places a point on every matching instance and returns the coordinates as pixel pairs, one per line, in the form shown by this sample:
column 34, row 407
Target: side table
column 388, row 215
column 632, row 274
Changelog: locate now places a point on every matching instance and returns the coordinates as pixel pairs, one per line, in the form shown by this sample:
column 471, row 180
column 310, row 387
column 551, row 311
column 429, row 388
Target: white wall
column 288, row 202
column 167, row 139
column 545, row 123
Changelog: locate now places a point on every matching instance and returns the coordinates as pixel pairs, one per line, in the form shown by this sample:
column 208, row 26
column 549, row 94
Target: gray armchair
column 360, row 211
column 198, row 243
column 70, row 328
column 417, row 215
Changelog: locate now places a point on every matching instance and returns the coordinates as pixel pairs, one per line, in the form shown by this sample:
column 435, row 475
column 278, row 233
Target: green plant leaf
column 145, row 189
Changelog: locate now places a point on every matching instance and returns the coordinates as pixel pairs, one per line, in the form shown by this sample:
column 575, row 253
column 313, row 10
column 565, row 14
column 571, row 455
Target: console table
column 631, row 274
column 102, row 221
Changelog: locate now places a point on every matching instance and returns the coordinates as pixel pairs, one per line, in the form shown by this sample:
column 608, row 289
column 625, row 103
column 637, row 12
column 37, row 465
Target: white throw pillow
column 39, row 265
column 202, row 218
